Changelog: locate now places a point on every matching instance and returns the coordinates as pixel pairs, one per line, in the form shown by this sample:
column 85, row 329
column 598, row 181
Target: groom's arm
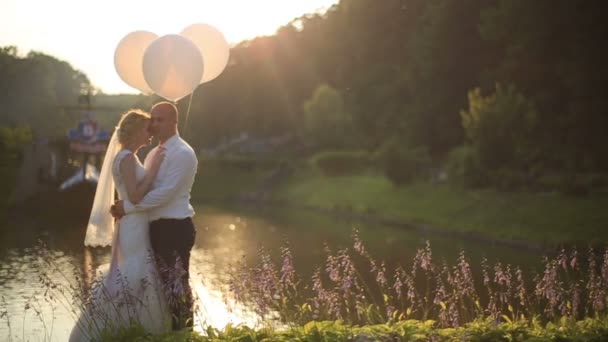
column 180, row 174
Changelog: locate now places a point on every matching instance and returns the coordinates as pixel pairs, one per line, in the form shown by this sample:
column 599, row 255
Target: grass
column 540, row 219
column 546, row 219
column 216, row 183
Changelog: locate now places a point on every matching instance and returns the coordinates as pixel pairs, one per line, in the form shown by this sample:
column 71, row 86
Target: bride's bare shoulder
column 128, row 158
column 124, row 157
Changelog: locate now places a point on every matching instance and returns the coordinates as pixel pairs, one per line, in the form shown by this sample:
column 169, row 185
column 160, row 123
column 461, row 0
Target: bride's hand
column 117, row 209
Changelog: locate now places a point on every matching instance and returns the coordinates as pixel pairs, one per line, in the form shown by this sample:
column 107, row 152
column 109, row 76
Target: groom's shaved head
column 166, row 109
column 164, row 120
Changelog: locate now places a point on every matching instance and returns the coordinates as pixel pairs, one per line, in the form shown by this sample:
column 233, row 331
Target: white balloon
column 173, row 66
column 128, row 58
column 213, row 46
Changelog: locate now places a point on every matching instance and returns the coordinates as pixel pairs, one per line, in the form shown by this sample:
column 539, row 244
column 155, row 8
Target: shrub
column 463, row 167
column 402, row 164
column 12, row 140
column 243, row 164
column 506, row 179
column 500, row 127
column 337, row 163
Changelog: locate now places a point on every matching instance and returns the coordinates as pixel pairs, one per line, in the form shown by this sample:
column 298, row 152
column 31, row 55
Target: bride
column 130, row 292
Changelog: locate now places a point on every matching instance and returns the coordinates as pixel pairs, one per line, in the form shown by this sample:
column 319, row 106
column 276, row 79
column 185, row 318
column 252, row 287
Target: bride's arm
column 137, row 190
column 180, row 174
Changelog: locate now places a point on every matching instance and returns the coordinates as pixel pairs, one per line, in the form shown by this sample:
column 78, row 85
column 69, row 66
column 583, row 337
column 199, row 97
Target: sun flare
column 86, row 35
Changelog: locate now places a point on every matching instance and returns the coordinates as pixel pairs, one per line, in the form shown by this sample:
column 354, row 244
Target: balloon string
column 188, row 111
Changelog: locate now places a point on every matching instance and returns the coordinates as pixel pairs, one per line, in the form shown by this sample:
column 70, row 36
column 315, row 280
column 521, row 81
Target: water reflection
column 224, row 238
column 221, row 242
column 33, row 316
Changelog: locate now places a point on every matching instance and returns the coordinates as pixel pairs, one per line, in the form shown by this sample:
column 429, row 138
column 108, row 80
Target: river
column 224, row 238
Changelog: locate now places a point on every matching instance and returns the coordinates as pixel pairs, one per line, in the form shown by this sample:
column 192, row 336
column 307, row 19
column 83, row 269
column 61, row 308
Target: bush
column 327, row 123
column 508, row 179
column 463, row 167
column 402, row 164
column 500, row 127
column 243, row 164
column 338, row 163
column 13, row 139
column 8, row 173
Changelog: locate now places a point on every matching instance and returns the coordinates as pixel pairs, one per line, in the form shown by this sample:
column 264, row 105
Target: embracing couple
column 149, row 228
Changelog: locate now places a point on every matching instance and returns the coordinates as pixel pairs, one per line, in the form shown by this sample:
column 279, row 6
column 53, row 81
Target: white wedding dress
column 130, row 291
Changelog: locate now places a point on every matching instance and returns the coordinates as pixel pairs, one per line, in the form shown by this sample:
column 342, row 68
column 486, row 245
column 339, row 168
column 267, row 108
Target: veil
column 100, row 229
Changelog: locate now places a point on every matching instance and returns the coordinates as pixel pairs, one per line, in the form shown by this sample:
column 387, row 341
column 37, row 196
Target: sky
column 85, row 33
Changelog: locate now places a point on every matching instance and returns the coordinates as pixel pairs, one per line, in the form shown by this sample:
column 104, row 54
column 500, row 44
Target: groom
column 168, row 205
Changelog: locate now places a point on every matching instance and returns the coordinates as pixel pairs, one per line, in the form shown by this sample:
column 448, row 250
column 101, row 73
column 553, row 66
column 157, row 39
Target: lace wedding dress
column 130, row 292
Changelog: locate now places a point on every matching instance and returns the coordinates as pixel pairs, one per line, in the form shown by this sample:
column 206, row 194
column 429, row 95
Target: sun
column 86, row 34
column 239, row 19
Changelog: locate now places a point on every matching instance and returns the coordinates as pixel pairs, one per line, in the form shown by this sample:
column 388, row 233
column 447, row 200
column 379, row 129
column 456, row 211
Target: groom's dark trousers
column 172, row 240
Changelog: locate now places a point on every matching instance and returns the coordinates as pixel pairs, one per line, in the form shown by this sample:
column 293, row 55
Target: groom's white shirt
column 170, row 194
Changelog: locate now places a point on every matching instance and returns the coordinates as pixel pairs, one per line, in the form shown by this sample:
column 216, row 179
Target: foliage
column 344, row 301
column 500, row 127
column 49, row 95
column 527, row 219
column 392, row 68
column 571, row 287
column 404, row 67
column 556, row 62
column 326, row 121
column 37, row 89
column 8, row 175
column 12, row 140
column 463, row 167
column 336, row 163
column 402, row 164
column 446, row 56
column 589, row 329
column 243, row 163
column 230, row 177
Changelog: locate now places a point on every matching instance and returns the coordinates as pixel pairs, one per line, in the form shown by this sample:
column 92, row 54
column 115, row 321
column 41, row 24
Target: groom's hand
column 117, row 210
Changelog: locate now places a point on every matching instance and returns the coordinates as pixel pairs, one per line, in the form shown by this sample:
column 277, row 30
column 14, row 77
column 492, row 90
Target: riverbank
column 8, row 174
column 532, row 220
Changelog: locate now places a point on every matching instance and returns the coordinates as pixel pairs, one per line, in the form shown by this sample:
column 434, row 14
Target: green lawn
column 547, row 219
column 213, row 183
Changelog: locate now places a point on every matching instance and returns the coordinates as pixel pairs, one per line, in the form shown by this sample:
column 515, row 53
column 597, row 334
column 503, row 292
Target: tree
column 37, row 88
column 446, row 56
column 500, row 127
column 551, row 50
column 327, row 122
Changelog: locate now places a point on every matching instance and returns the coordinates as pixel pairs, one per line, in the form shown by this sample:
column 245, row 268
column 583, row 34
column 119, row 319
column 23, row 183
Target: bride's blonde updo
column 130, row 123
